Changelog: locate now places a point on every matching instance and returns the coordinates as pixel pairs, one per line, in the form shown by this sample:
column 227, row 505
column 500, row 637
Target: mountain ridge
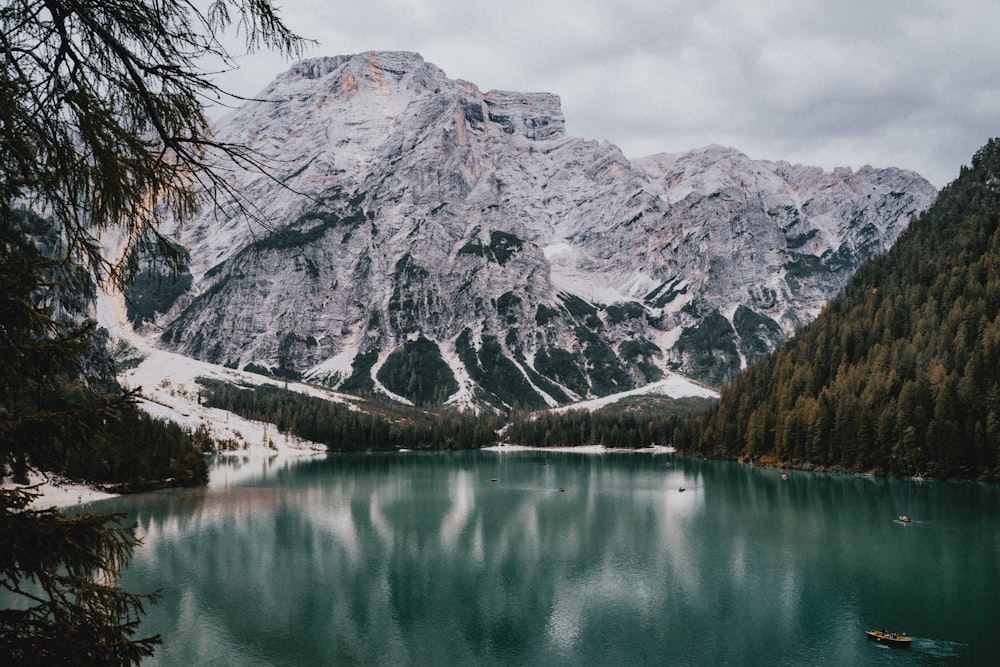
column 544, row 268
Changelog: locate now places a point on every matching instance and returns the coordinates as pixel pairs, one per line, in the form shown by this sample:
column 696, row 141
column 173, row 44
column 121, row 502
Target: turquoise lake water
column 531, row 558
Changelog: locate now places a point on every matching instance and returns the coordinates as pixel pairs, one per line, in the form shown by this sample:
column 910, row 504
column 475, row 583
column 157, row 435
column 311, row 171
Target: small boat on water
column 905, row 519
column 899, row 640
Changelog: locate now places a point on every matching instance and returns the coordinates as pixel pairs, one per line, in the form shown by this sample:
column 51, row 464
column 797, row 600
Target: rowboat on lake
column 890, row 638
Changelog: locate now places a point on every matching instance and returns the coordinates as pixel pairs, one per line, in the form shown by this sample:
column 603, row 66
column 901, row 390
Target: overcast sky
column 904, row 83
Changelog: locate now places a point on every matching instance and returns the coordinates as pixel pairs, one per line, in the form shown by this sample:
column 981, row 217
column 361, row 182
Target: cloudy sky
column 906, row 83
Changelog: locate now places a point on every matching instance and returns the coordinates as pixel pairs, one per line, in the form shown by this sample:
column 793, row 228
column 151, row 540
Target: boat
column 905, row 519
column 899, row 639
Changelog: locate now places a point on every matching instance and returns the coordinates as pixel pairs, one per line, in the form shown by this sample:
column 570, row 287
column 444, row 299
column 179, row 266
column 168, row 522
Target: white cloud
column 911, row 84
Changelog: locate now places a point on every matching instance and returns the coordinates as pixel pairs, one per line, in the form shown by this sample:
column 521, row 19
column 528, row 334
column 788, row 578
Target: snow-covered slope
column 169, row 390
column 425, row 239
column 674, row 386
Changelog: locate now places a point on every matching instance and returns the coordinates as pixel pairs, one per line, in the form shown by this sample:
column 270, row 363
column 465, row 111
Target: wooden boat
column 899, row 640
column 905, row 519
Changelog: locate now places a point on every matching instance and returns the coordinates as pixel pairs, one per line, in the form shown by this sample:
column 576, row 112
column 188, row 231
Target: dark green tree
column 898, row 374
column 63, row 570
column 103, row 131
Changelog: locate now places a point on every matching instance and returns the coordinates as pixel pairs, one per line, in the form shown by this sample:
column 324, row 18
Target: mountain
column 900, row 374
column 420, row 238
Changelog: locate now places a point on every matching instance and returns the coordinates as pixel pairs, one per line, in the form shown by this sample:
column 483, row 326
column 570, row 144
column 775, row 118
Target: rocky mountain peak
column 374, row 70
column 534, row 116
column 432, row 230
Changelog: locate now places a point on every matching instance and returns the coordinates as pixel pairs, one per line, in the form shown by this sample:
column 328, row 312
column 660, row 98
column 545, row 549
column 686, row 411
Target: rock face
column 434, row 242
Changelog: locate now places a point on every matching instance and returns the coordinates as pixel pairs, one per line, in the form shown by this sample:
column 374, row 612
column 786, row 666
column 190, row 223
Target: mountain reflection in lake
column 419, row 558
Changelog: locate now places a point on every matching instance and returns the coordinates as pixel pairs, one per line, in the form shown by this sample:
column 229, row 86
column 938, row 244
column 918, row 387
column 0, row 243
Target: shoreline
column 581, row 449
column 55, row 491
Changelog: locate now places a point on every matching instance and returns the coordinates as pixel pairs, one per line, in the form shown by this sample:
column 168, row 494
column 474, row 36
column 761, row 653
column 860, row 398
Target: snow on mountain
column 675, row 386
column 421, row 238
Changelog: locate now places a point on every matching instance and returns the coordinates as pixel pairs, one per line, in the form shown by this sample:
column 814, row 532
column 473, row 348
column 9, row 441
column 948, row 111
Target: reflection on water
column 422, row 559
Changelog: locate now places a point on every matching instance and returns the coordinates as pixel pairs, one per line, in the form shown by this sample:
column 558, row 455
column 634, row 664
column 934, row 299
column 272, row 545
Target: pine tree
column 102, row 129
column 53, row 563
column 896, row 374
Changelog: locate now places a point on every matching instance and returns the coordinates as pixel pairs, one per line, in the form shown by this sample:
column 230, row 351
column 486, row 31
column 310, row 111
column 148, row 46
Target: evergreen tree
column 64, row 569
column 102, row 129
column 899, row 373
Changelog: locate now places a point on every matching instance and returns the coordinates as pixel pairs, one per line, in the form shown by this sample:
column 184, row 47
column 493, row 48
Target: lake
column 523, row 558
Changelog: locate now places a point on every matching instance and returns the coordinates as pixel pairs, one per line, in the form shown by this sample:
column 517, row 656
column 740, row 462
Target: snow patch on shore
column 169, row 390
column 57, row 491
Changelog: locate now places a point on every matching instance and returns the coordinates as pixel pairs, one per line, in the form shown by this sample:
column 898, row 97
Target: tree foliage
column 45, row 405
column 102, row 122
column 417, row 372
column 627, row 424
column 63, row 569
column 102, row 132
column 61, row 611
column 61, row 408
column 900, row 374
column 348, row 428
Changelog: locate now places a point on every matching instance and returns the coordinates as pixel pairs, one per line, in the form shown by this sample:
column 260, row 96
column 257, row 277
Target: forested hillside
column 900, row 374
column 57, row 383
column 344, row 428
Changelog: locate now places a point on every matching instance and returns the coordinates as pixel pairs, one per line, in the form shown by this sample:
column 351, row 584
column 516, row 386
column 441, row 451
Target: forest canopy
column 900, row 373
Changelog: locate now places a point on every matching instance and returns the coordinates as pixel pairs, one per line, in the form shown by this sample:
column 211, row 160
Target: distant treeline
column 627, row 424
column 346, row 428
column 378, row 426
column 900, row 374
